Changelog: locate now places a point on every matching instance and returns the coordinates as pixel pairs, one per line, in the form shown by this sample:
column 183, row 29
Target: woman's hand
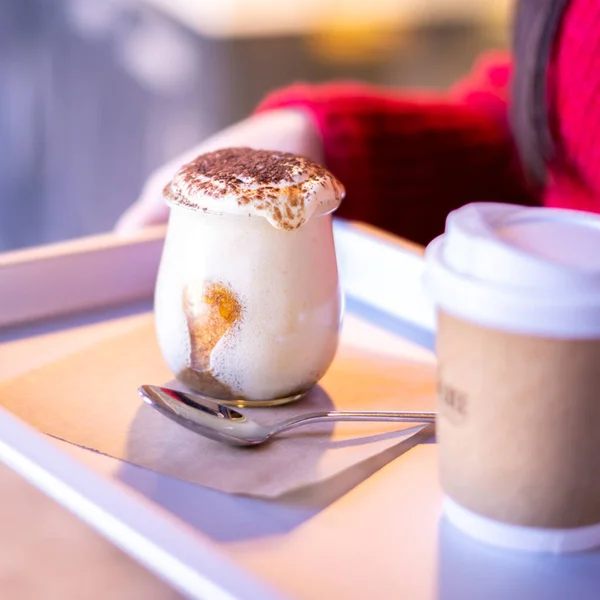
column 286, row 130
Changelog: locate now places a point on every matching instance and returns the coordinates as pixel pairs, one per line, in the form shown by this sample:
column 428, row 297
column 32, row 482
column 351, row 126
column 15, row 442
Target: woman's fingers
column 149, row 208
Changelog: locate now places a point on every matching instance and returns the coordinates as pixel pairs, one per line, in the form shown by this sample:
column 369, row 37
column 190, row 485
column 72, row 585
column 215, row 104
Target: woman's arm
column 406, row 158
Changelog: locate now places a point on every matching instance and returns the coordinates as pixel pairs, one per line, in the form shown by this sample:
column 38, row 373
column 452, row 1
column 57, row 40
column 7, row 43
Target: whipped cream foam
column 285, row 189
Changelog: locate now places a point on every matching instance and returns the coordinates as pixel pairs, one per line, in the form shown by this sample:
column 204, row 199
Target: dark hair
column 535, row 29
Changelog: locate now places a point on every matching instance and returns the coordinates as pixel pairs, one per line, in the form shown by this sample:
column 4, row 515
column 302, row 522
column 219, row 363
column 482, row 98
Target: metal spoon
column 224, row 424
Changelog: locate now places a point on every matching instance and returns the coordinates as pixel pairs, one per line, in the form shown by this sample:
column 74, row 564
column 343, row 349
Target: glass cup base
column 206, row 386
column 245, row 403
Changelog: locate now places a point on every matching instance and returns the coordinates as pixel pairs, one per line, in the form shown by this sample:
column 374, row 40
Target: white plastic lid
column 532, row 270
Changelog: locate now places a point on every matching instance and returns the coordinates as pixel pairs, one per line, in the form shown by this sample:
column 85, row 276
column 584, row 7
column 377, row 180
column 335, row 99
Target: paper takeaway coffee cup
column 518, row 297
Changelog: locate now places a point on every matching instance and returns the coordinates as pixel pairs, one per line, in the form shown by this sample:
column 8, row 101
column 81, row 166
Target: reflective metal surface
column 224, row 424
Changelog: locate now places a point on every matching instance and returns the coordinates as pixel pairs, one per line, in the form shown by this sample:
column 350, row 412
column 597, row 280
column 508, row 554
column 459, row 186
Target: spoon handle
column 353, row 415
column 374, row 415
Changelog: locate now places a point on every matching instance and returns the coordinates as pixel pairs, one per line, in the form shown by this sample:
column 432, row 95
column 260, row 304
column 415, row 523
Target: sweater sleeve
column 409, row 158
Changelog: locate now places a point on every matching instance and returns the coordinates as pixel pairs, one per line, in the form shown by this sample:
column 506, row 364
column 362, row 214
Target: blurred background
column 94, row 94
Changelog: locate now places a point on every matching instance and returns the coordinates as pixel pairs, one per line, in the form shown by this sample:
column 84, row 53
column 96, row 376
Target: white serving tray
column 40, row 287
column 383, row 538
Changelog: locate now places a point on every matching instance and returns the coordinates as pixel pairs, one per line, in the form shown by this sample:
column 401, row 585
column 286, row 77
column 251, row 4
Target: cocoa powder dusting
column 294, row 196
column 276, row 183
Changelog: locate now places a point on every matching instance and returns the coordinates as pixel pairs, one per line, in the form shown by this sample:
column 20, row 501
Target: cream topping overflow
column 284, row 188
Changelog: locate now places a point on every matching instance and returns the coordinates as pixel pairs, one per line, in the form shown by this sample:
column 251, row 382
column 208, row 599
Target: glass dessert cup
column 247, row 313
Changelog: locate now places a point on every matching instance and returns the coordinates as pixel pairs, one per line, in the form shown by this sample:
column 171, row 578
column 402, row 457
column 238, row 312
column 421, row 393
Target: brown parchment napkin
column 90, row 399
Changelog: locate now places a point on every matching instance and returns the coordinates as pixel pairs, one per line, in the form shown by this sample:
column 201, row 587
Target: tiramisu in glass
column 248, row 304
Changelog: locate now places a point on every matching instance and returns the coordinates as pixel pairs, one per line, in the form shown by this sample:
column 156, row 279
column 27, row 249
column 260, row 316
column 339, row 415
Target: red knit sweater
column 408, row 158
